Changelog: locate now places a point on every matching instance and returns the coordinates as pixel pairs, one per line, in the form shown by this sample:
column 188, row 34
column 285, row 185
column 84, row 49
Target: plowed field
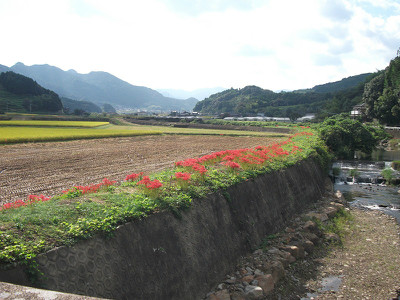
column 50, row 168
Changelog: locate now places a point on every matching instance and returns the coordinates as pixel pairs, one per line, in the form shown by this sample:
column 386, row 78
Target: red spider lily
column 30, row 200
column 38, row 198
column 146, row 182
column 93, row 188
column 229, row 158
column 231, row 164
column 133, row 176
column 187, row 163
column 150, row 187
column 199, row 168
column 155, row 184
column 183, row 179
column 15, row 204
column 183, row 176
column 107, row 182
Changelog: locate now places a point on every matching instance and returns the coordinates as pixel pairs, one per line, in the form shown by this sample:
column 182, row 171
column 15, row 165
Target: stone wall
column 164, row 257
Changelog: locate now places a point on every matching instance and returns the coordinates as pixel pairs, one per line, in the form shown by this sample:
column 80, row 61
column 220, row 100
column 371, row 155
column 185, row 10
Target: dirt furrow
column 50, row 168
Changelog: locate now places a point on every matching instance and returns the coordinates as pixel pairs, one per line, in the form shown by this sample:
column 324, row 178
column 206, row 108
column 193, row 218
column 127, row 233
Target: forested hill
column 341, row 85
column 73, row 106
column 22, row 94
column 338, row 97
column 382, row 95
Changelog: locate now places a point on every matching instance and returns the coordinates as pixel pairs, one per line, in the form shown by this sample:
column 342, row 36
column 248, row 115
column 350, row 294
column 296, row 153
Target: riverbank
column 365, row 266
column 351, row 254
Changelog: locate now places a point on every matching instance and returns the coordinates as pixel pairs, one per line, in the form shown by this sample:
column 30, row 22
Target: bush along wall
column 218, row 200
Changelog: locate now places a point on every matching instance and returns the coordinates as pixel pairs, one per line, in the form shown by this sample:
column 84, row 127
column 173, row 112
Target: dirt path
column 50, row 168
column 366, row 266
column 369, row 262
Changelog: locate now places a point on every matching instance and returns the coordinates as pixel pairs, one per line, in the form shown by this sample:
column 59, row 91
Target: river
column 368, row 190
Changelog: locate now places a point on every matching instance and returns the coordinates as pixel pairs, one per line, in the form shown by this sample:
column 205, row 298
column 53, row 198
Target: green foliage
column 382, row 95
column 388, row 175
column 267, row 240
column 354, row 173
column 340, row 223
column 336, row 171
column 344, row 136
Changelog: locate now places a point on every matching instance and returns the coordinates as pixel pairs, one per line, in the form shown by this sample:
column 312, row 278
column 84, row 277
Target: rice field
column 200, row 131
column 23, row 131
column 86, row 124
column 18, row 134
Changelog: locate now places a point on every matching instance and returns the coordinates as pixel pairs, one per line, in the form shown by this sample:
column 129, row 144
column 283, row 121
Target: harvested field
column 50, row 168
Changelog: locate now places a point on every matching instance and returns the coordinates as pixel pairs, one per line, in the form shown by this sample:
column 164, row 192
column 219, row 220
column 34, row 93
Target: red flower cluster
column 231, row 164
column 31, row 199
column 133, row 176
column 150, row 184
column 183, row 176
column 93, row 188
column 242, row 158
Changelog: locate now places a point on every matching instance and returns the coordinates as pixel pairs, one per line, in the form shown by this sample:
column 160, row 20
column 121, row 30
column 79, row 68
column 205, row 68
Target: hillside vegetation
column 382, row 95
column 330, row 98
column 22, row 94
column 71, row 106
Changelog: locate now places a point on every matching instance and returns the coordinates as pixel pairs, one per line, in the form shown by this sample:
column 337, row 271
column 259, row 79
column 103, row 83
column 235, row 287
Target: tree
column 344, row 136
column 382, row 95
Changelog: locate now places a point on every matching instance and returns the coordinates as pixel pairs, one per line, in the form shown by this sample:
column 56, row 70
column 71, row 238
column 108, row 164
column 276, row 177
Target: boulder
column 266, row 282
column 220, row 295
column 253, row 292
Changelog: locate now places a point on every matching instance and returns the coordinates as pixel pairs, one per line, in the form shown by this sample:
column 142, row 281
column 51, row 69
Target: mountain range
column 100, row 88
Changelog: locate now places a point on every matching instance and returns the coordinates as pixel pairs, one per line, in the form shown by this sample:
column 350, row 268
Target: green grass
column 86, row 124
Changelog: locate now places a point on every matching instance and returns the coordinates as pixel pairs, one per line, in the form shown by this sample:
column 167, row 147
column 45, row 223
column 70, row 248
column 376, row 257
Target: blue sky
column 190, row 44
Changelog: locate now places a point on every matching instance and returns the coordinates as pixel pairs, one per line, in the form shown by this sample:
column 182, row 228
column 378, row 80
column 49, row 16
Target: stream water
column 368, row 190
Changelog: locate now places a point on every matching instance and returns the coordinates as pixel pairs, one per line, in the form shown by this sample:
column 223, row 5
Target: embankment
column 166, row 257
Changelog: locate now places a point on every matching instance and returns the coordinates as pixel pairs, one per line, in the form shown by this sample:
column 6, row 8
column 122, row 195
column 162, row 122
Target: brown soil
column 50, row 168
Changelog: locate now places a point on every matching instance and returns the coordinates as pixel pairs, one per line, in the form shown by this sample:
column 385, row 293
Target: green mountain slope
column 19, row 93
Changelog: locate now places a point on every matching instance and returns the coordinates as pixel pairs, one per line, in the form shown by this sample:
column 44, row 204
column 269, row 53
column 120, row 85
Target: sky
column 192, row 44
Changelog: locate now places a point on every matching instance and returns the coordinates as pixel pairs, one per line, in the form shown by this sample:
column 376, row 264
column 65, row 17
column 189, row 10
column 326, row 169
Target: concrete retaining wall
column 163, row 257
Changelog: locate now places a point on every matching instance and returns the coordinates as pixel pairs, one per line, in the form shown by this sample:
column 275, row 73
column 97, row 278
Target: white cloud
column 276, row 44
